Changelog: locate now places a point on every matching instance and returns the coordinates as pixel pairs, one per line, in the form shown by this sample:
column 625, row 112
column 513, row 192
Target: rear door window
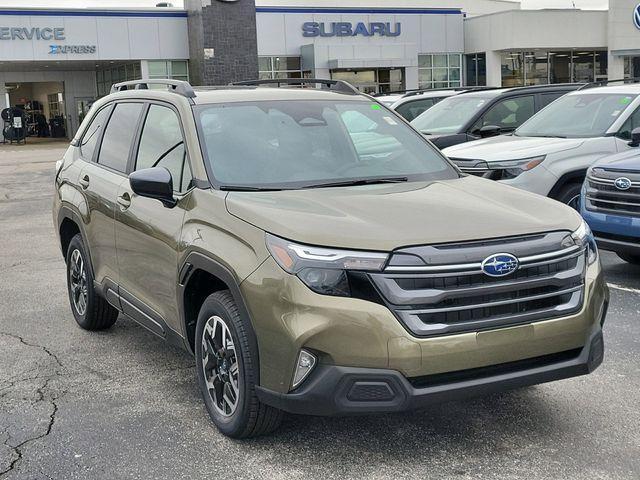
column 411, row 110
column 118, row 136
column 547, row 98
column 92, row 134
column 162, row 145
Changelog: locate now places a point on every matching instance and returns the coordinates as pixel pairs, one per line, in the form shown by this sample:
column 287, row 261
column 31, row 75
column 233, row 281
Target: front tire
column 91, row 311
column 228, row 370
column 627, row 257
column 570, row 195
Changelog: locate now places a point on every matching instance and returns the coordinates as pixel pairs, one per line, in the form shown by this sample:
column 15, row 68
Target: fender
column 197, row 261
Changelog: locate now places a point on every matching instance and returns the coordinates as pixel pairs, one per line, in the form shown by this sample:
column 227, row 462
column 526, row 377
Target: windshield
column 449, row 115
column 295, row 144
column 579, row 115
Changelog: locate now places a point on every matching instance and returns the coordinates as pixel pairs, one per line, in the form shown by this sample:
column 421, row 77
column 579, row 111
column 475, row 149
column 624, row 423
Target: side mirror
column 489, row 131
column 635, row 138
column 154, row 183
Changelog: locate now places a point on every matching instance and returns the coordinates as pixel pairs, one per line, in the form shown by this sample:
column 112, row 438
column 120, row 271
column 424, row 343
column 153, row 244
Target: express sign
column 348, row 29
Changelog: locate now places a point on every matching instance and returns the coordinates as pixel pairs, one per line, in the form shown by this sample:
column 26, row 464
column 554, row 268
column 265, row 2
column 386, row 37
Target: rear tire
column 627, row 257
column 570, row 195
column 228, row 370
column 91, row 311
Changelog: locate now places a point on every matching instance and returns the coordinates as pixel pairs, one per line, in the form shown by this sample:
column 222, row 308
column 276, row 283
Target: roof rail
column 336, row 85
column 601, row 83
column 177, row 86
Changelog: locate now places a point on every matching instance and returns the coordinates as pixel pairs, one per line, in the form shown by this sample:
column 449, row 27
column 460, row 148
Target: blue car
column 610, row 203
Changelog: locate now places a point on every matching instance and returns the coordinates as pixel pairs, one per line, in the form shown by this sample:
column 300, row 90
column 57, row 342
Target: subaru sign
column 636, row 16
column 348, row 29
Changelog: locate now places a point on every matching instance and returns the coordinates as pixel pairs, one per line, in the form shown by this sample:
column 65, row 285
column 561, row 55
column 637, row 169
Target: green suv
column 316, row 254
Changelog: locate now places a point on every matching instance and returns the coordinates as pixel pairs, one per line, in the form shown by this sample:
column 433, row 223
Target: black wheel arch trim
column 197, row 261
column 67, row 213
column 575, row 176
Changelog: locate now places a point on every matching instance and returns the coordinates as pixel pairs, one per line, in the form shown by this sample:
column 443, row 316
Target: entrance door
column 372, row 81
column 82, row 108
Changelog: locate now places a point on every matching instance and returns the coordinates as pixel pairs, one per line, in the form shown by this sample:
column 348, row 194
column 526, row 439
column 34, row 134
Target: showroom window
column 176, row 69
column 439, row 70
column 107, row 76
column 279, row 67
column 476, row 69
column 563, row 66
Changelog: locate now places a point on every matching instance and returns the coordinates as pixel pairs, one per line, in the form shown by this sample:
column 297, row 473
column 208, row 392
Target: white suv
column 411, row 104
column 550, row 153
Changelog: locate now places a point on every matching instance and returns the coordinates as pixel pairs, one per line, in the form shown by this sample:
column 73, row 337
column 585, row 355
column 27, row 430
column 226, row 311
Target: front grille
column 603, row 196
column 472, row 167
column 446, row 295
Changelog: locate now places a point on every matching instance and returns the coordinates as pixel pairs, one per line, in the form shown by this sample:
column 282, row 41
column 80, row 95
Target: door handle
column 124, row 201
column 84, row 182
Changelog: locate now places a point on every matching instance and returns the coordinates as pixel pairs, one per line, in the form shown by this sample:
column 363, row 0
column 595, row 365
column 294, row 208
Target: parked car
column 610, row 202
column 550, row 153
column 410, row 104
column 485, row 113
column 314, row 262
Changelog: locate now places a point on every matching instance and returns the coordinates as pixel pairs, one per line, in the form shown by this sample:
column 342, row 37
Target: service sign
column 57, row 34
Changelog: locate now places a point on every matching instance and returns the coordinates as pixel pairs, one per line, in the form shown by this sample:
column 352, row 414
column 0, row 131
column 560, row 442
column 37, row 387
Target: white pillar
column 411, row 78
column 144, row 69
column 615, row 67
column 4, row 97
column 494, row 69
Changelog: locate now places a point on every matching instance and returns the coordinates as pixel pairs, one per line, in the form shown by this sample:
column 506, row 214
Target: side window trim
column 629, row 119
column 97, row 153
column 131, row 166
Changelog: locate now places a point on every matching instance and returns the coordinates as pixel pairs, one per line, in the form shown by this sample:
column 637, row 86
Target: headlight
column 323, row 270
column 584, row 237
column 513, row 168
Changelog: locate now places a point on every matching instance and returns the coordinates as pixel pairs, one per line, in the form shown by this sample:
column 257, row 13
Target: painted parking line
column 624, row 289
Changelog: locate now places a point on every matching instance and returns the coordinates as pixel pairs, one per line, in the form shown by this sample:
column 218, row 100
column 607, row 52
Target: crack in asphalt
column 34, row 345
column 42, row 392
column 18, row 449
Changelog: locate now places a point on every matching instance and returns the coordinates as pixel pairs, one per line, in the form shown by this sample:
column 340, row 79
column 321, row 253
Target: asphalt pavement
column 122, row 404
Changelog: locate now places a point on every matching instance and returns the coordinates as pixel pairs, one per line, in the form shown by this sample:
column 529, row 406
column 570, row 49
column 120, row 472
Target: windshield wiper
column 363, row 181
column 248, row 188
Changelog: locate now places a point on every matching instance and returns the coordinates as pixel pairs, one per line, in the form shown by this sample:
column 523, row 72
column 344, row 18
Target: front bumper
column 333, row 390
column 616, row 233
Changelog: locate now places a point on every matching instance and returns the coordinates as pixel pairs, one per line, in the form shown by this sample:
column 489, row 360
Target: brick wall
column 229, row 28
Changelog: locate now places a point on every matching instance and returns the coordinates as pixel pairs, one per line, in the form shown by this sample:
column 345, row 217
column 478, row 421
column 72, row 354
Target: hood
column 388, row 216
column 626, row 161
column 511, row 147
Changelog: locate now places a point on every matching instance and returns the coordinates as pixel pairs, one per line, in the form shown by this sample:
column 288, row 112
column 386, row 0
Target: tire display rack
column 14, row 129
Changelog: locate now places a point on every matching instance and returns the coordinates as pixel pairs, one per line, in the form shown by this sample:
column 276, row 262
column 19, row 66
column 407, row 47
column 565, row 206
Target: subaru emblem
column 622, row 183
column 500, row 265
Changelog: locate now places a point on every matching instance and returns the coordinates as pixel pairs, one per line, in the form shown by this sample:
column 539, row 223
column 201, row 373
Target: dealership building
column 55, row 62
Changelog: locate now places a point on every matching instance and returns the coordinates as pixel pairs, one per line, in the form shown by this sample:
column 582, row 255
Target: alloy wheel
column 78, row 281
column 220, row 366
column 574, row 202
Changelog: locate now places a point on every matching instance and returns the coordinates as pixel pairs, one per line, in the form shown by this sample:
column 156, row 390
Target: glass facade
column 176, row 69
column 439, row 70
column 105, row 77
column 476, row 69
column 279, row 67
column 563, row 66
